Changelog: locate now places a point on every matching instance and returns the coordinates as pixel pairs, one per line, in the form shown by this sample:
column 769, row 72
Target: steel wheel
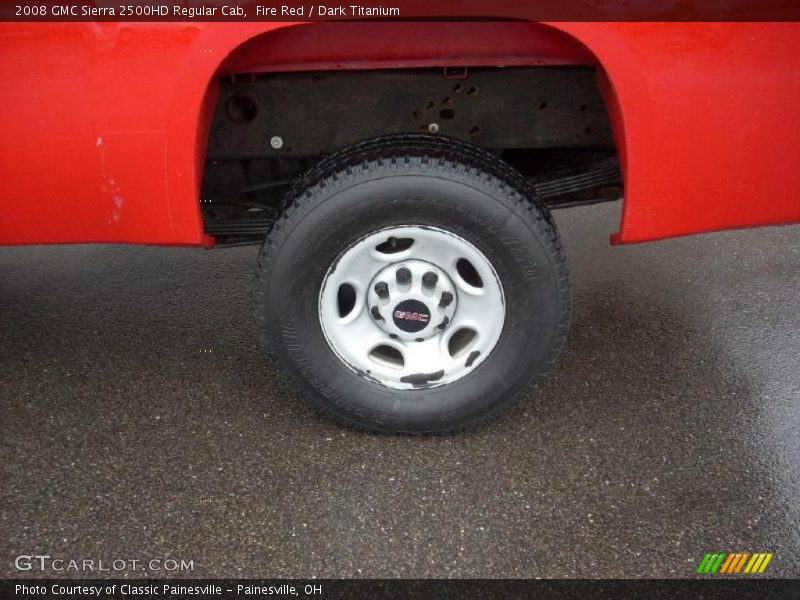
column 412, row 307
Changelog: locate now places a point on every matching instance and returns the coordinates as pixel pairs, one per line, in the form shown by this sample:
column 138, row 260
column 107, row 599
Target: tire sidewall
column 493, row 217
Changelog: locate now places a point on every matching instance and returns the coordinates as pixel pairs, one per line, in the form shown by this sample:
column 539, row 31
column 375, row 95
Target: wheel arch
column 380, row 45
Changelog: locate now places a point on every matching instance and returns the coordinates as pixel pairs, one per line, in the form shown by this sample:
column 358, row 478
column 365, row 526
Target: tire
column 431, row 186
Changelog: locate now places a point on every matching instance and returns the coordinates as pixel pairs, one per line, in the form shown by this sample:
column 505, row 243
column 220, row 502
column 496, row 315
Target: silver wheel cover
column 412, row 316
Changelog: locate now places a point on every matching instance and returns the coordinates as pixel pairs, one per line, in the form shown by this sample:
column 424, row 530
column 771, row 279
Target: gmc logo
column 410, row 316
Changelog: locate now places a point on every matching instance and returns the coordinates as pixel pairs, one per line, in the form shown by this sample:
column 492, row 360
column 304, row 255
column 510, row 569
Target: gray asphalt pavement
column 140, row 421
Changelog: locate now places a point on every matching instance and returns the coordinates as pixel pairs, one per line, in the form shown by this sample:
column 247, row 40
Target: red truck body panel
column 104, row 125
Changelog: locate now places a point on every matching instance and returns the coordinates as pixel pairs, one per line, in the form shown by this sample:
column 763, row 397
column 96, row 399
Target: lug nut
column 429, row 279
column 447, row 298
column 444, row 323
column 382, row 289
column 403, row 275
column 376, row 314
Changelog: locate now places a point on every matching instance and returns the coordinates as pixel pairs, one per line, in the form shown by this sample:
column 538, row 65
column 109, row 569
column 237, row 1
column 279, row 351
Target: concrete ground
column 139, row 420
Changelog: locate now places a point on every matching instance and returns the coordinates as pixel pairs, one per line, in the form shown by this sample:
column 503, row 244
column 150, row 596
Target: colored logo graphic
column 734, row 562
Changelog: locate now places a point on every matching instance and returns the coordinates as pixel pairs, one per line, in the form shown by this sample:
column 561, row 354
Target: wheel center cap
column 412, row 300
column 411, row 316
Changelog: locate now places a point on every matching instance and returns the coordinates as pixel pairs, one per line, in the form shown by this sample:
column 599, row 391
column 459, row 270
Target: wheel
column 412, row 284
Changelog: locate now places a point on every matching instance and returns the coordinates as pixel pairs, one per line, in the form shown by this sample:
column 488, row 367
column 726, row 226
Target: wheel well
column 526, row 91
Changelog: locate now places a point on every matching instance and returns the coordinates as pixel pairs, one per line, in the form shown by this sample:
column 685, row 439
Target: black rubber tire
column 418, row 180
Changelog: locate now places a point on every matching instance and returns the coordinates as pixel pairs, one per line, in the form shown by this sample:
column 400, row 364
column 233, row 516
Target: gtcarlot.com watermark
column 45, row 562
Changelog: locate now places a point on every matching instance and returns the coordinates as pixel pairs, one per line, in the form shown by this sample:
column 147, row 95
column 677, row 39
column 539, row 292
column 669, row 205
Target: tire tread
column 398, row 152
